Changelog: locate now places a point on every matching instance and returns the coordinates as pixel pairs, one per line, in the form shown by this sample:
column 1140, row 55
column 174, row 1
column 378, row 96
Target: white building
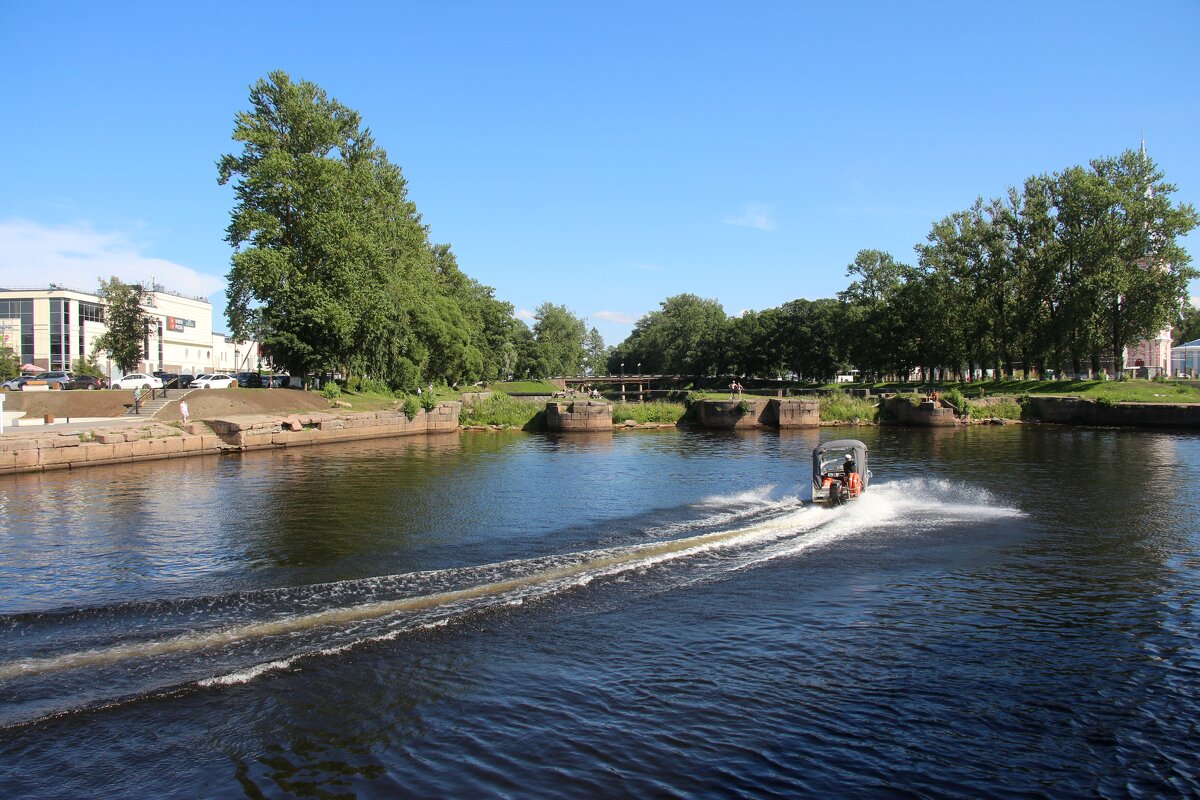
column 55, row 326
column 1185, row 359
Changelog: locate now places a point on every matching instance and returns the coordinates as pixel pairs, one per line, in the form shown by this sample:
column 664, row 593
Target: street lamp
column 639, row 368
column 622, row 369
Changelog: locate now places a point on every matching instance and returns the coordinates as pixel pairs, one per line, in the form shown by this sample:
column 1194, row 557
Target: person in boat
column 853, row 480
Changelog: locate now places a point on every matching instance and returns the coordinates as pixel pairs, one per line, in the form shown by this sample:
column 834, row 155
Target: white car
column 217, row 381
column 135, row 379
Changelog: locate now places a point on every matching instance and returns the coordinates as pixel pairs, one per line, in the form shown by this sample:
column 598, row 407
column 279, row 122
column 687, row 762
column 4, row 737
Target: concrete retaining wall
column 930, row 414
column 47, row 451
column 788, row 412
column 1074, row 410
column 579, row 416
column 795, row 412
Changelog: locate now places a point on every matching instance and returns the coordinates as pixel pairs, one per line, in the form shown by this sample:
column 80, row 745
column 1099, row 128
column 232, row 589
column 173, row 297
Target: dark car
column 172, row 380
column 84, row 382
column 184, row 381
column 250, row 380
column 280, row 381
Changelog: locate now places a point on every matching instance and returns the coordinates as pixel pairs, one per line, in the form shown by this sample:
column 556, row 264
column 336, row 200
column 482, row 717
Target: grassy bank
column 840, row 406
column 501, row 409
column 658, row 411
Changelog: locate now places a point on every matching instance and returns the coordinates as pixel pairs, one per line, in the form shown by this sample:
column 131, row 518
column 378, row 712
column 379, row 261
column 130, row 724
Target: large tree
column 559, row 335
column 126, row 324
column 333, row 267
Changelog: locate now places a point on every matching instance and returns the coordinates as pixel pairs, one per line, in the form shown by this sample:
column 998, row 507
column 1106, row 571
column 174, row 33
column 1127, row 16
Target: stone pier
column 583, row 416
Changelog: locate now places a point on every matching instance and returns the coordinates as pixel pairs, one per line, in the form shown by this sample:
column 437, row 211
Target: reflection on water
column 1009, row 611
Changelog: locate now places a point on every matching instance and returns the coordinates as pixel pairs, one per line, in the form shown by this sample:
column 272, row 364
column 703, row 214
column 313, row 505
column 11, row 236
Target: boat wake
column 64, row 661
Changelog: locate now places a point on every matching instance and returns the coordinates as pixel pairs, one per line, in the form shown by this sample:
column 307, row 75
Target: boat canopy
column 830, row 456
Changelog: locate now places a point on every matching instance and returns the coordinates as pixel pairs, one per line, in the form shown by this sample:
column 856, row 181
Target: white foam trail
column 599, row 562
column 786, row 534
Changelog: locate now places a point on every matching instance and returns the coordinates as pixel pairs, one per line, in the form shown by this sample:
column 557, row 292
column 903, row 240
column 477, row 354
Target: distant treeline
column 1062, row 273
column 333, row 270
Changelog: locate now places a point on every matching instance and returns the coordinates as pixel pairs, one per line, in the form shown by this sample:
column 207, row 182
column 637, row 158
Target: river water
column 1007, row 612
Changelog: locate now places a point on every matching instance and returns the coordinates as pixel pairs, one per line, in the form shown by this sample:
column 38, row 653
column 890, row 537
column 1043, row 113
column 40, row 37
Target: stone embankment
column 758, row 412
column 1077, row 411
column 150, row 441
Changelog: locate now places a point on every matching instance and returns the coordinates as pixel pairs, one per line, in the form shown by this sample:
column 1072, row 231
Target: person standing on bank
column 183, row 410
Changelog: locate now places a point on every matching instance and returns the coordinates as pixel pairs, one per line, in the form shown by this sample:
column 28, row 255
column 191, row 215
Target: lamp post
column 622, row 381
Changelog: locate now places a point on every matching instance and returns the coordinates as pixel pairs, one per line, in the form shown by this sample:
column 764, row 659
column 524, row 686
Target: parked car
column 280, row 381
column 217, row 380
column 250, row 380
column 185, row 381
column 173, row 380
column 52, row 378
column 15, row 384
column 136, row 379
column 84, row 382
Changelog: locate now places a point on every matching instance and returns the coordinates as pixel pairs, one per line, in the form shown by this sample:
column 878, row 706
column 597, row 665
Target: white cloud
column 754, row 215
column 615, row 316
column 78, row 256
column 524, row 313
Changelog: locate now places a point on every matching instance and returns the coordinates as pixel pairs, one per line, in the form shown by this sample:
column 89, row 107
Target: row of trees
column 1063, row 273
column 334, row 270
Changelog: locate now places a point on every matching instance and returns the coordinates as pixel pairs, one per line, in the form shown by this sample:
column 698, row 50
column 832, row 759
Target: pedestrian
column 732, row 389
column 137, row 399
column 183, row 410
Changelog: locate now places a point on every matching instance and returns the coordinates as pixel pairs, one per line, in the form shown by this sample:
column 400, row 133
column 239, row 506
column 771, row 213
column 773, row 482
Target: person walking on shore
column 183, row 410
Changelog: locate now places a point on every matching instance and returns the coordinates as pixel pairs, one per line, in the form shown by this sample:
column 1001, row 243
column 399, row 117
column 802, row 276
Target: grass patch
column 839, row 406
column 1004, row 408
column 1134, row 391
column 501, row 409
column 658, row 411
column 525, row 387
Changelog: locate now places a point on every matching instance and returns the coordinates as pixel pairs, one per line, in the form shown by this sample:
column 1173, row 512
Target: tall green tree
column 10, row 363
column 126, row 324
column 1187, row 329
column 597, row 353
column 1138, row 268
column 559, row 335
column 333, row 267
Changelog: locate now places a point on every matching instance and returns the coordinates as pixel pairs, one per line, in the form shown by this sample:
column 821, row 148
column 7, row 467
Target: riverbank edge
column 154, row 441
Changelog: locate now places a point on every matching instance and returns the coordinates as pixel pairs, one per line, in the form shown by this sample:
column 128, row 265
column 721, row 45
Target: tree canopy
column 126, row 324
column 1063, row 272
column 333, row 268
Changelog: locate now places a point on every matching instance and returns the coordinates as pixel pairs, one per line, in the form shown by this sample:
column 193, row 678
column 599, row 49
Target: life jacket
column 854, row 482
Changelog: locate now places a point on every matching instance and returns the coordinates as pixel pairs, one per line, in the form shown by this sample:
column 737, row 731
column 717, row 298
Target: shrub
column 411, row 407
column 743, row 407
column 331, row 391
column 428, row 401
column 956, row 398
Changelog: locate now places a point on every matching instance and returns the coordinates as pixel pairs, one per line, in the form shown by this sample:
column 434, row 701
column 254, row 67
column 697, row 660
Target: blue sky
column 604, row 156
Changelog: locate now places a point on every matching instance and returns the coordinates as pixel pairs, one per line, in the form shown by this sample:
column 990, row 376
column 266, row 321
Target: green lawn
column 524, row 387
column 1137, row 391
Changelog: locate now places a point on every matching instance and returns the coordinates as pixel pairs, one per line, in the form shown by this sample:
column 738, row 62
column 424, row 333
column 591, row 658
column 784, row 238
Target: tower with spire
column 1151, row 355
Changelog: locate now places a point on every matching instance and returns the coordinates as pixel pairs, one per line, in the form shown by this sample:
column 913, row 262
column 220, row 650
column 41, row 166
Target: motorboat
column 840, row 472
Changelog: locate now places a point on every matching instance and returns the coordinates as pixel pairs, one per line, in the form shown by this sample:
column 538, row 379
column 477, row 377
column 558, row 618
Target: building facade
column 54, row 327
column 1185, row 360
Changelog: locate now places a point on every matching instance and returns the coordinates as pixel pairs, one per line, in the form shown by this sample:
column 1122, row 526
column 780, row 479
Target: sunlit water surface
column 1007, row 612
